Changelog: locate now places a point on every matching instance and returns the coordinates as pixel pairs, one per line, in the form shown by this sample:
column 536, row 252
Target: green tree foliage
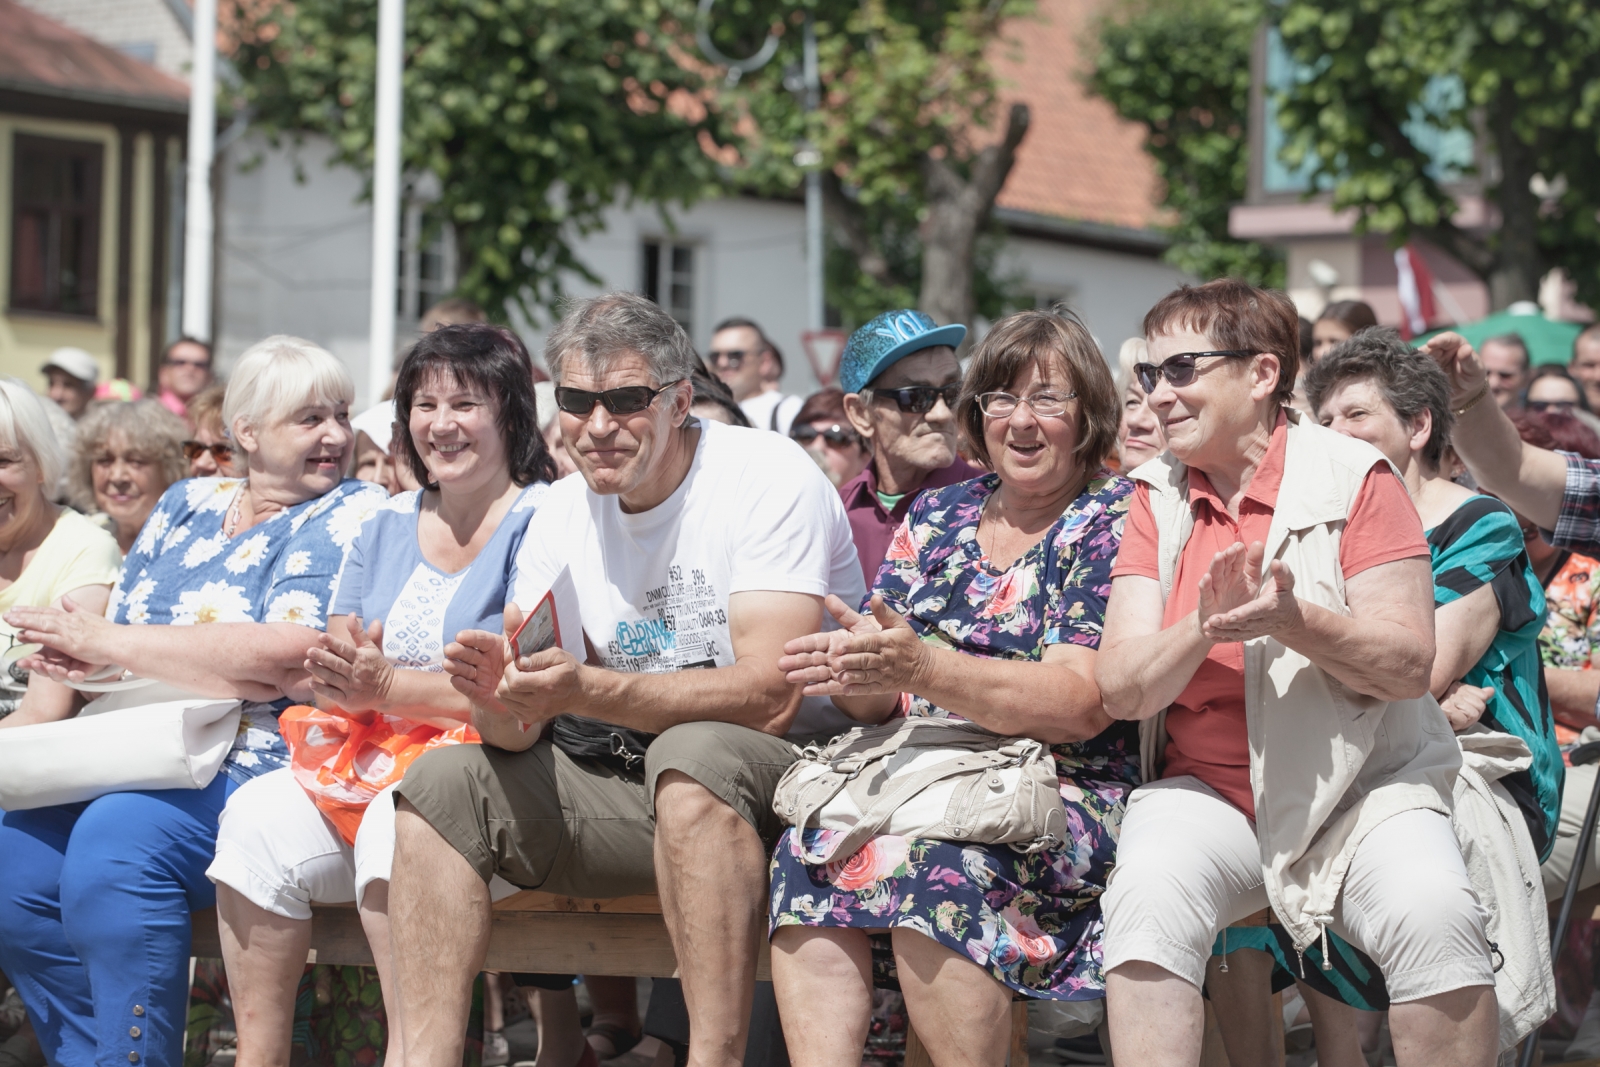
column 1181, row 69
column 534, row 115
column 1387, row 79
column 911, row 140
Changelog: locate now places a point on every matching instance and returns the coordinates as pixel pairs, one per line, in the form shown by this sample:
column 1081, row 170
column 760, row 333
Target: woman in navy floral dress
column 984, row 577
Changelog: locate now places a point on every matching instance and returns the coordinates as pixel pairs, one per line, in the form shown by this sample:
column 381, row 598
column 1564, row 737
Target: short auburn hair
column 1056, row 336
column 1237, row 316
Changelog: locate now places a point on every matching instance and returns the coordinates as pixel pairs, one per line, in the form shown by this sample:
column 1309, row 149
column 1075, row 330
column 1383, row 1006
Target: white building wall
column 1109, row 290
column 294, row 258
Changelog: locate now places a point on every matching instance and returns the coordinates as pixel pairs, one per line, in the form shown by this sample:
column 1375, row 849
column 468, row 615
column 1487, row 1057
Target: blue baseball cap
column 888, row 339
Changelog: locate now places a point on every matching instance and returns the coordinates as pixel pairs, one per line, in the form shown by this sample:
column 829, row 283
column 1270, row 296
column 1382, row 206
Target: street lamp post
column 807, row 158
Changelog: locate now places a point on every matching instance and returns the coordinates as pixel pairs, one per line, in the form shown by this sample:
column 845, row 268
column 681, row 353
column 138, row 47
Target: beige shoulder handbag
column 920, row 777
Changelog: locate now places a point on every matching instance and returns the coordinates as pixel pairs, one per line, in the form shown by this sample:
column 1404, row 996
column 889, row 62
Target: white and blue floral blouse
column 184, row 571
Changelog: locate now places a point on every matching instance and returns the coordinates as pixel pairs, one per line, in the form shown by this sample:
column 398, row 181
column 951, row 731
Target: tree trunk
column 1518, row 262
column 958, row 209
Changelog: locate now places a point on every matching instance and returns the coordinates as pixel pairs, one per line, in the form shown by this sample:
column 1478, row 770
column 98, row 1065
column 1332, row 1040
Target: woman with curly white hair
column 223, row 593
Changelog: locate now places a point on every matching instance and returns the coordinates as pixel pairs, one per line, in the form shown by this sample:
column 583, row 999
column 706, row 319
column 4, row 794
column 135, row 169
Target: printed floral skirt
column 1033, row 922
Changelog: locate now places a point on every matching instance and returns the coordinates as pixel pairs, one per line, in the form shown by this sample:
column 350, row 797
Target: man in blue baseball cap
column 901, row 380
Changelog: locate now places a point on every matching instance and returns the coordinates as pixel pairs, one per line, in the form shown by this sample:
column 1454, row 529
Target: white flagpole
column 197, row 221
column 385, row 196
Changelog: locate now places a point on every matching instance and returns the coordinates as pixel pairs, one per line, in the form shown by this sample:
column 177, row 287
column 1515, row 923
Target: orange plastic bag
column 342, row 760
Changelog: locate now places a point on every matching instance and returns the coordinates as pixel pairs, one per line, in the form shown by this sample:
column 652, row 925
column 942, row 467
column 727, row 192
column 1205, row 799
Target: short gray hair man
column 600, row 328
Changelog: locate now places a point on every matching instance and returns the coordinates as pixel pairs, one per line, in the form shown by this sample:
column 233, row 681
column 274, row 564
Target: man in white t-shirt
column 751, row 367
column 696, row 550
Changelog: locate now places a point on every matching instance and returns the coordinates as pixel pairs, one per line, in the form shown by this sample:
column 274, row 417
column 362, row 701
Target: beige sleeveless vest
column 1327, row 764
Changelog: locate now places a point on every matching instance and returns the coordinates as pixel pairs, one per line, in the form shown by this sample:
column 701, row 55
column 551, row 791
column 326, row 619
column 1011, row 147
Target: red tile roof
column 42, row 56
column 1079, row 159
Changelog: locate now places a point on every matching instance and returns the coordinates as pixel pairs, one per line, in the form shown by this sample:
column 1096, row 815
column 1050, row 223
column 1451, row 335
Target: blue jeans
column 95, row 901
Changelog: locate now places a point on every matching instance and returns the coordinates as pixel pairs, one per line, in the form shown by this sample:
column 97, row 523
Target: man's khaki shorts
column 542, row 819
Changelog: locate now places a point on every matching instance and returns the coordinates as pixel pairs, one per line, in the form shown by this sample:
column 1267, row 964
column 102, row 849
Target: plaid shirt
column 1578, row 525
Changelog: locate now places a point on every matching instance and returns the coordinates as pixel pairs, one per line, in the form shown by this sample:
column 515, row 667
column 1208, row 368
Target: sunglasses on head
column 193, row 450
column 626, row 400
column 921, row 398
column 835, row 435
column 1179, row 370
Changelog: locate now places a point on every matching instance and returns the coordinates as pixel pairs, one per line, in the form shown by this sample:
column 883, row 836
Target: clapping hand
column 74, row 640
column 1239, row 603
column 874, row 654
column 533, row 689
column 350, row 675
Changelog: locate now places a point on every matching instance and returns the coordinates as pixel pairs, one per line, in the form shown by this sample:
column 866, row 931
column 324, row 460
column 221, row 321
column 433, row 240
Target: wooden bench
column 542, row 933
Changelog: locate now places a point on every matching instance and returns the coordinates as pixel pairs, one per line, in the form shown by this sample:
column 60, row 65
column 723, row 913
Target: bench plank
column 564, row 936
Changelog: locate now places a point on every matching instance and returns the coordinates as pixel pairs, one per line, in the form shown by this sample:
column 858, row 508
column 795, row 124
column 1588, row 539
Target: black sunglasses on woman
column 1179, row 370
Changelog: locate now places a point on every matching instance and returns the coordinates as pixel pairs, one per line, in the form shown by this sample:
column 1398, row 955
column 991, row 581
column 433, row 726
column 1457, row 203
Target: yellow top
column 74, row 554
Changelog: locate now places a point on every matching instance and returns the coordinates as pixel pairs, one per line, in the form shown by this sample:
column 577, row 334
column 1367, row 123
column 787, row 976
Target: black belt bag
column 615, row 746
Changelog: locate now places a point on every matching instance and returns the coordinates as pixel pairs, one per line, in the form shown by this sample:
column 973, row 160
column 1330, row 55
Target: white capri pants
column 1188, row 864
column 277, row 851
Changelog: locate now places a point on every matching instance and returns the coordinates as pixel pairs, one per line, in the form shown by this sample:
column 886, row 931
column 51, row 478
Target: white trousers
column 1188, row 864
column 279, row 852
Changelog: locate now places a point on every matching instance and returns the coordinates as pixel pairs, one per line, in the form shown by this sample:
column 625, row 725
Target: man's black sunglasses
column 921, row 398
column 835, row 435
column 1178, row 369
column 627, row 400
column 1560, row 407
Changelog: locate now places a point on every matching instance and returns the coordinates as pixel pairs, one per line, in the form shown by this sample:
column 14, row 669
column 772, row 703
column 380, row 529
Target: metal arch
column 736, row 67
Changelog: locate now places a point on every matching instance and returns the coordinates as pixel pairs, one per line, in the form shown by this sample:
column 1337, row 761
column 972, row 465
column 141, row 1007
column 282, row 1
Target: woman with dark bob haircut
column 988, row 609
column 423, row 567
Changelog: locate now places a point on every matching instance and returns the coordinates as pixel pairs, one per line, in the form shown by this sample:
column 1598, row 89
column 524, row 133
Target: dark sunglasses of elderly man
column 732, row 358
column 836, row 435
column 1559, row 407
column 920, row 399
column 1179, row 370
column 626, row 400
column 193, row 450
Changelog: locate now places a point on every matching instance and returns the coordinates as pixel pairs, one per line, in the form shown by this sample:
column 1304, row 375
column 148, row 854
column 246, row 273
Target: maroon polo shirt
column 871, row 526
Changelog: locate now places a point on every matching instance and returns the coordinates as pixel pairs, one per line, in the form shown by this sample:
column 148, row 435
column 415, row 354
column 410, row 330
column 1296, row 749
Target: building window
column 667, row 277
column 427, row 268
column 55, row 225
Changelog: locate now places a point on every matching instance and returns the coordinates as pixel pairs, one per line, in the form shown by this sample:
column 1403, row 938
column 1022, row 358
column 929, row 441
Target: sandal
column 621, row 1039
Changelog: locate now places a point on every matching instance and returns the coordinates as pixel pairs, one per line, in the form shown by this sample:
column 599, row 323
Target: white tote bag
column 149, row 736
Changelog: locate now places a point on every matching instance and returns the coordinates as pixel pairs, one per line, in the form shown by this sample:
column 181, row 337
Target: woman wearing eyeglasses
column 823, row 429
column 128, row 453
column 209, row 452
column 1271, row 629
column 988, row 609
column 901, row 380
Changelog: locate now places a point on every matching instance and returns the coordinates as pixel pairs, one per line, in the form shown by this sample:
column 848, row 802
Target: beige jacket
column 1327, row 764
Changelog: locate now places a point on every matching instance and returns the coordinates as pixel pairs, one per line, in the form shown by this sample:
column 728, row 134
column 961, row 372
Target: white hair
column 25, row 425
column 1134, row 350
column 278, row 376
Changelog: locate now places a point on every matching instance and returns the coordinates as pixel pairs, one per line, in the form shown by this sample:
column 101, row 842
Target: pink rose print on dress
column 882, row 857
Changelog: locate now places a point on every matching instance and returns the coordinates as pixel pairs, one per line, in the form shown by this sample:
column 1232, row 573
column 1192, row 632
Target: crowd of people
column 1304, row 614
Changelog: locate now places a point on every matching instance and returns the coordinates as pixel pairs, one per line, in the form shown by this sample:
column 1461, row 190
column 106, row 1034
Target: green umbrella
column 1547, row 341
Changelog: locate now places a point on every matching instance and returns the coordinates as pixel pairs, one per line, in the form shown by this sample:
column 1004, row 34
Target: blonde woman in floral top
column 988, row 608
column 225, row 590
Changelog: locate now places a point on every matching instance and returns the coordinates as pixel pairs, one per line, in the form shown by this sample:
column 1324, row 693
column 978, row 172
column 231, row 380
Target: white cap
column 76, row 362
column 376, row 422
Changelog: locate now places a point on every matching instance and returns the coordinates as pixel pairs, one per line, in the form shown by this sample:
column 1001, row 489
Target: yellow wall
column 27, row 339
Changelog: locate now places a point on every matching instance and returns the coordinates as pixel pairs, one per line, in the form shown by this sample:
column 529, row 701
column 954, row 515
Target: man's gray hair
column 596, row 330
column 1410, row 381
